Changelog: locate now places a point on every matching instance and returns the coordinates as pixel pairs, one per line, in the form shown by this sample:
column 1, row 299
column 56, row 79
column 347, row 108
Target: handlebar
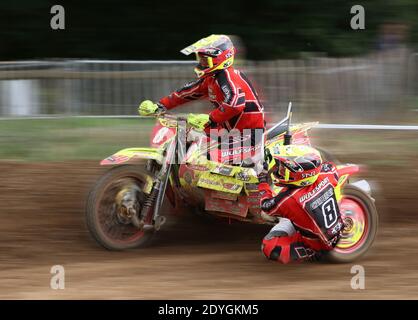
column 164, row 115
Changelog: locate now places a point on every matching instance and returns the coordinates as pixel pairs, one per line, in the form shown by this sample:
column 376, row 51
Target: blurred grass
column 70, row 138
column 94, row 139
column 375, row 148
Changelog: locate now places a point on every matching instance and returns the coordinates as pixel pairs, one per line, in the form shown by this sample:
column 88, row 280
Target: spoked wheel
column 112, row 207
column 360, row 219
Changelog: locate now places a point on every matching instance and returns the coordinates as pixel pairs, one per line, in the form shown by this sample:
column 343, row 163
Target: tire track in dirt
column 42, row 224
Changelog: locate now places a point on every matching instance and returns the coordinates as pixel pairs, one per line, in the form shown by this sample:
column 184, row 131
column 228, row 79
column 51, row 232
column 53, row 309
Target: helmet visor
column 204, row 61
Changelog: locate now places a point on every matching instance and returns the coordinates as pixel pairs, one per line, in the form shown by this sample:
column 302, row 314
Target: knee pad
column 285, row 249
column 277, row 248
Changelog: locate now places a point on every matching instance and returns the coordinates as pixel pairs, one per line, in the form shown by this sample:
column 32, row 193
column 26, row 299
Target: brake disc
column 127, row 205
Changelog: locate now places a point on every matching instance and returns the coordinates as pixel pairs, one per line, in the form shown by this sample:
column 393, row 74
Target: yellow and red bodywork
column 344, row 172
column 132, row 155
column 202, row 180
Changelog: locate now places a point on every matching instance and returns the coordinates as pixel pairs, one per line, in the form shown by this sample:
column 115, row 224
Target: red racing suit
column 313, row 210
column 234, row 98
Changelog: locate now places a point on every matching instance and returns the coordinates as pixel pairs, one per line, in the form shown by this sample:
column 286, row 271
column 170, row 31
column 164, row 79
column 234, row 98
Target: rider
column 236, row 103
column 310, row 221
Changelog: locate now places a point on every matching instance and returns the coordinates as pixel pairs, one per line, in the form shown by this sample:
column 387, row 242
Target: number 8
column 329, row 212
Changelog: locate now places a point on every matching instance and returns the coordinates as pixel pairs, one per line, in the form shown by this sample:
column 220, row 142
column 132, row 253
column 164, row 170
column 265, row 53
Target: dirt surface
column 42, row 224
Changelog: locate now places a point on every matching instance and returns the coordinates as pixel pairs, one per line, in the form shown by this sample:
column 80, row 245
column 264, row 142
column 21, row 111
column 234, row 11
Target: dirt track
column 42, row 224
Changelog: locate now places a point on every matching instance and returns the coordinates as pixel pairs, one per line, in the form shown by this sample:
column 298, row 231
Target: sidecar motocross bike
column 124, row 206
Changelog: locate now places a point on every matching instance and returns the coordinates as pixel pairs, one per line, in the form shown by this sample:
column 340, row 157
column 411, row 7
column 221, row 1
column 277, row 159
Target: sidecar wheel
column 360, row 215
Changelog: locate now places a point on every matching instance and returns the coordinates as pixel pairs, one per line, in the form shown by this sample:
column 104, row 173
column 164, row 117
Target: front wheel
column 107, row 217
column 360, row 218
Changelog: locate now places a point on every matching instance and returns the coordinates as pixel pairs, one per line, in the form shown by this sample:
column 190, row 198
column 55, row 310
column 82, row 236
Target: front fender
column 344, row 172
column 132, row 156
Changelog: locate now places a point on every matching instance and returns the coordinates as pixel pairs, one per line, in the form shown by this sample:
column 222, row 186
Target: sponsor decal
column 341, row 179
column 326, row 167
column 212, row 51
column 252, row 187
column 226, row 171
column 189, row 85
column 210, row 182
column 231, row 186
column 220, row 183
column 244, row 176
column 323, row 209
column 302, row 252
column 117, row 158
column 226, row 92
column 317, row 202
column 227, row 64
column 307, row 175
column 234, row 152
column 311, row 193
column 336, row 229
column 197, row 167
column 268, row 204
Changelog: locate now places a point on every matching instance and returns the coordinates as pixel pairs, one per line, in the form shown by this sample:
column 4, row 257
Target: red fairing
column 349, row 169
column 235, row 100
column 294, row 204
column 160, row 134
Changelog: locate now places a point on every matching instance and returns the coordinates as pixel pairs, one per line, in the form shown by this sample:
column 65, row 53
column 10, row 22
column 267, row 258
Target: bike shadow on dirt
column 191, row 228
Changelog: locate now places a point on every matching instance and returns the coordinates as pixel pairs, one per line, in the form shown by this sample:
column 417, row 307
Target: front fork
column 154, row 201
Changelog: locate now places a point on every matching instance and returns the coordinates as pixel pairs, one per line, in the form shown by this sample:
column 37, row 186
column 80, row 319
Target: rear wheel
column 360, row 218
column 111, row 204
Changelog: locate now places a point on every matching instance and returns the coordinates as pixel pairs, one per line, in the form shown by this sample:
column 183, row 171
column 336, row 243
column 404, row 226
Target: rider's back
column 313, row 209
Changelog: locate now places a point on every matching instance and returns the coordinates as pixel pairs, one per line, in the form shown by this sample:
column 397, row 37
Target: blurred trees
column 133, row 29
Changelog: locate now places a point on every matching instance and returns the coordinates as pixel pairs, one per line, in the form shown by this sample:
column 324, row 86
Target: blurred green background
column 299, row 51
column 131, row 29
